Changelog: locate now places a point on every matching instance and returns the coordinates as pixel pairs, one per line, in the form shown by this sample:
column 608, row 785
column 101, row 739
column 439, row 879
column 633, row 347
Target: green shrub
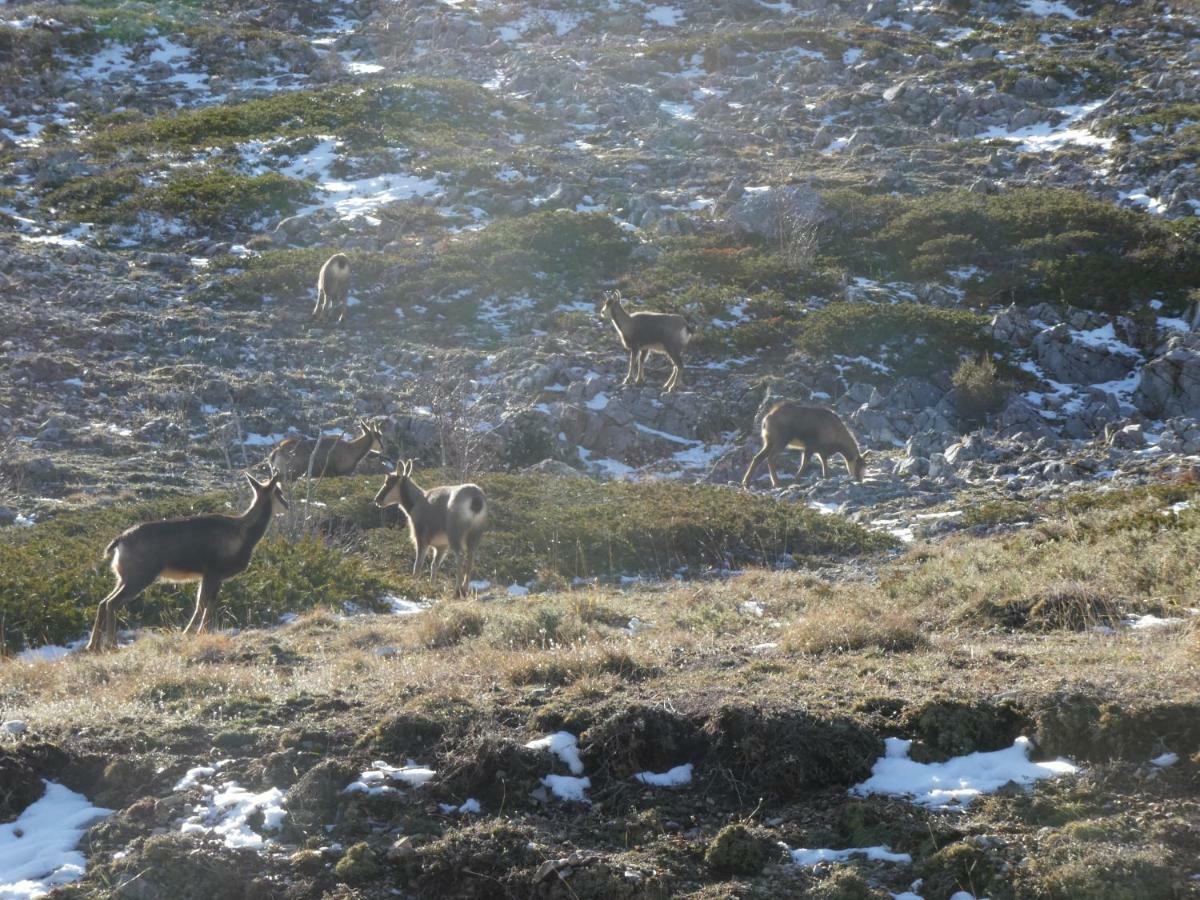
column 1030, row 244
column 979, row 390
column 95, row 197
column 912, row 338
column 221, row 198
column 370, row 116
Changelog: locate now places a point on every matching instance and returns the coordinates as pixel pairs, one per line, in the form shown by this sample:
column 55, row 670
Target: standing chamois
column 206, row 548
column 642, row 332
column 443, row 519
column 813, row 430
column 328, row 455
column 333, row 288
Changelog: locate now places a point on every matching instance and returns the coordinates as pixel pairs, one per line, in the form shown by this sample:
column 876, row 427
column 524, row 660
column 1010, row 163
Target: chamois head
column 269, row 491
column 393, row 484
column 860, row 467
column 611, row 299
column 376, row 434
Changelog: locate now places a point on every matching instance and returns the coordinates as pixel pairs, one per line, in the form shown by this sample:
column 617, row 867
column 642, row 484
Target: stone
column 1169, row 384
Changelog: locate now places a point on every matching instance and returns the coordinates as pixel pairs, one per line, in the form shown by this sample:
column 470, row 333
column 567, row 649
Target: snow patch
column 374, row 781
column 564, row 745
column 958, row 780
column 38, row 850
column 804, row 857
column 676, row 777
column 227, row 810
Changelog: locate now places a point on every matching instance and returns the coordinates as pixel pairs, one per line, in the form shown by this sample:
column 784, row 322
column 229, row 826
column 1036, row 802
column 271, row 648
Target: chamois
column 642, row 332
column 328, row 455
column 206, row 548
column 813, row 430
column 333, row 288
column 446, row 518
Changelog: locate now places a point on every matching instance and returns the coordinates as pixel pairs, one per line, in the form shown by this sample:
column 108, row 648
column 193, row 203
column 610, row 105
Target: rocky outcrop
column 1170, row 384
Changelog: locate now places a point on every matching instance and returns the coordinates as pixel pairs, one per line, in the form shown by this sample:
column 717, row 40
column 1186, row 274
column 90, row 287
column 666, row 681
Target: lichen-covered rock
column 358, row 864
column 739, row 850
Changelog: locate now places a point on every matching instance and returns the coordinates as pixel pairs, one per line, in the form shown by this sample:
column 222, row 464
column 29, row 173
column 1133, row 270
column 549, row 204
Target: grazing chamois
column 333, row 288
column 206, row 548
column 642, row 332
column 815, row 431
column 328, row 455
column 446, row 518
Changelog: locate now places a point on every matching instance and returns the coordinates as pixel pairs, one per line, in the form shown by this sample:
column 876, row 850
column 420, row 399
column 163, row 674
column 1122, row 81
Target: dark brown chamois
column 206, row 548
column 328, row 455
column 333, row 288
column 643, row 332
column 815, row 431
column 446, row 518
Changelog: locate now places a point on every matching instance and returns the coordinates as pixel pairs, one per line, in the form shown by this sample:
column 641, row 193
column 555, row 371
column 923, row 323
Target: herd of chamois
column 210, row 549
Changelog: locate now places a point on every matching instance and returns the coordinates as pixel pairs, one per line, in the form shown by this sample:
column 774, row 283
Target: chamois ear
column 408, row 467
column 254, row 482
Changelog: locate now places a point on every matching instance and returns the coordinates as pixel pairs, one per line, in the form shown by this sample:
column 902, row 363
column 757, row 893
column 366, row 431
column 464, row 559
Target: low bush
column 911, row 338
column 979, row 389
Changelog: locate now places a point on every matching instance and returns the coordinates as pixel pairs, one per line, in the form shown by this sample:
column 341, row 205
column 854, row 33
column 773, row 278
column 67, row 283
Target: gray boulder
column 1170, row 383
column 776, row 211
column 1064, row 357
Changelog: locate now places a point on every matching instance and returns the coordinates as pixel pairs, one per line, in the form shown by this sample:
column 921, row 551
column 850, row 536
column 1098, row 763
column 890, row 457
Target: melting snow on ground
column 470, row 805
column 350, row 198
column 375, row 780
column 568, row 787
column 1049, row 8
column 803, row 857
column 401, row 606
column 1044, row 137
column 958, row 780
column 49, row 652
column 38, row 850
column 676, row 777
column 227, row 810
column 564, row 745
column 666, row 16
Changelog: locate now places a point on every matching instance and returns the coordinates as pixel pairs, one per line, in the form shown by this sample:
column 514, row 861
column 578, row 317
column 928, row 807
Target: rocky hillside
column 855, row 203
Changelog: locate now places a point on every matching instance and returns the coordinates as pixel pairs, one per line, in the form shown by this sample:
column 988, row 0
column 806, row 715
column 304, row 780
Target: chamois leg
column 341, row 304
column 128, row 591
column 641, row 366
column 205, row 613
column 320, row 307
column 465, row 561
column 439, row 557
column 772, row 472
column 805, row 459
column 824, row 467
column 96, row 641
column 677, row 371
column 755, row 463
column 632, row 367
column 419, row 561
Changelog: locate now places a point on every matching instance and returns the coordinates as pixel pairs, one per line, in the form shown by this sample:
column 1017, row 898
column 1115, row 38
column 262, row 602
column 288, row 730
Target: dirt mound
column 492, row 769
column 313, row 800
column 173, row 867
column 945, row 727
column 1084, row 727
column 784, row 753
column 640, row 738
column 20, row 785
column 477, row 861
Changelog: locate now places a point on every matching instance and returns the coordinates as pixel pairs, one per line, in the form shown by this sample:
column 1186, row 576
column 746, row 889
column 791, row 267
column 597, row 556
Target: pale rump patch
column 178, row 576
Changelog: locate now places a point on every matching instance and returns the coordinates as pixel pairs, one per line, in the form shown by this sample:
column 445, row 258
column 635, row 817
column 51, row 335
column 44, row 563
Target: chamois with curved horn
column 207, row 548
column 328, row 455
column 443, row 519
column 333, row 288
column 815, row 431
column 645, row 332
